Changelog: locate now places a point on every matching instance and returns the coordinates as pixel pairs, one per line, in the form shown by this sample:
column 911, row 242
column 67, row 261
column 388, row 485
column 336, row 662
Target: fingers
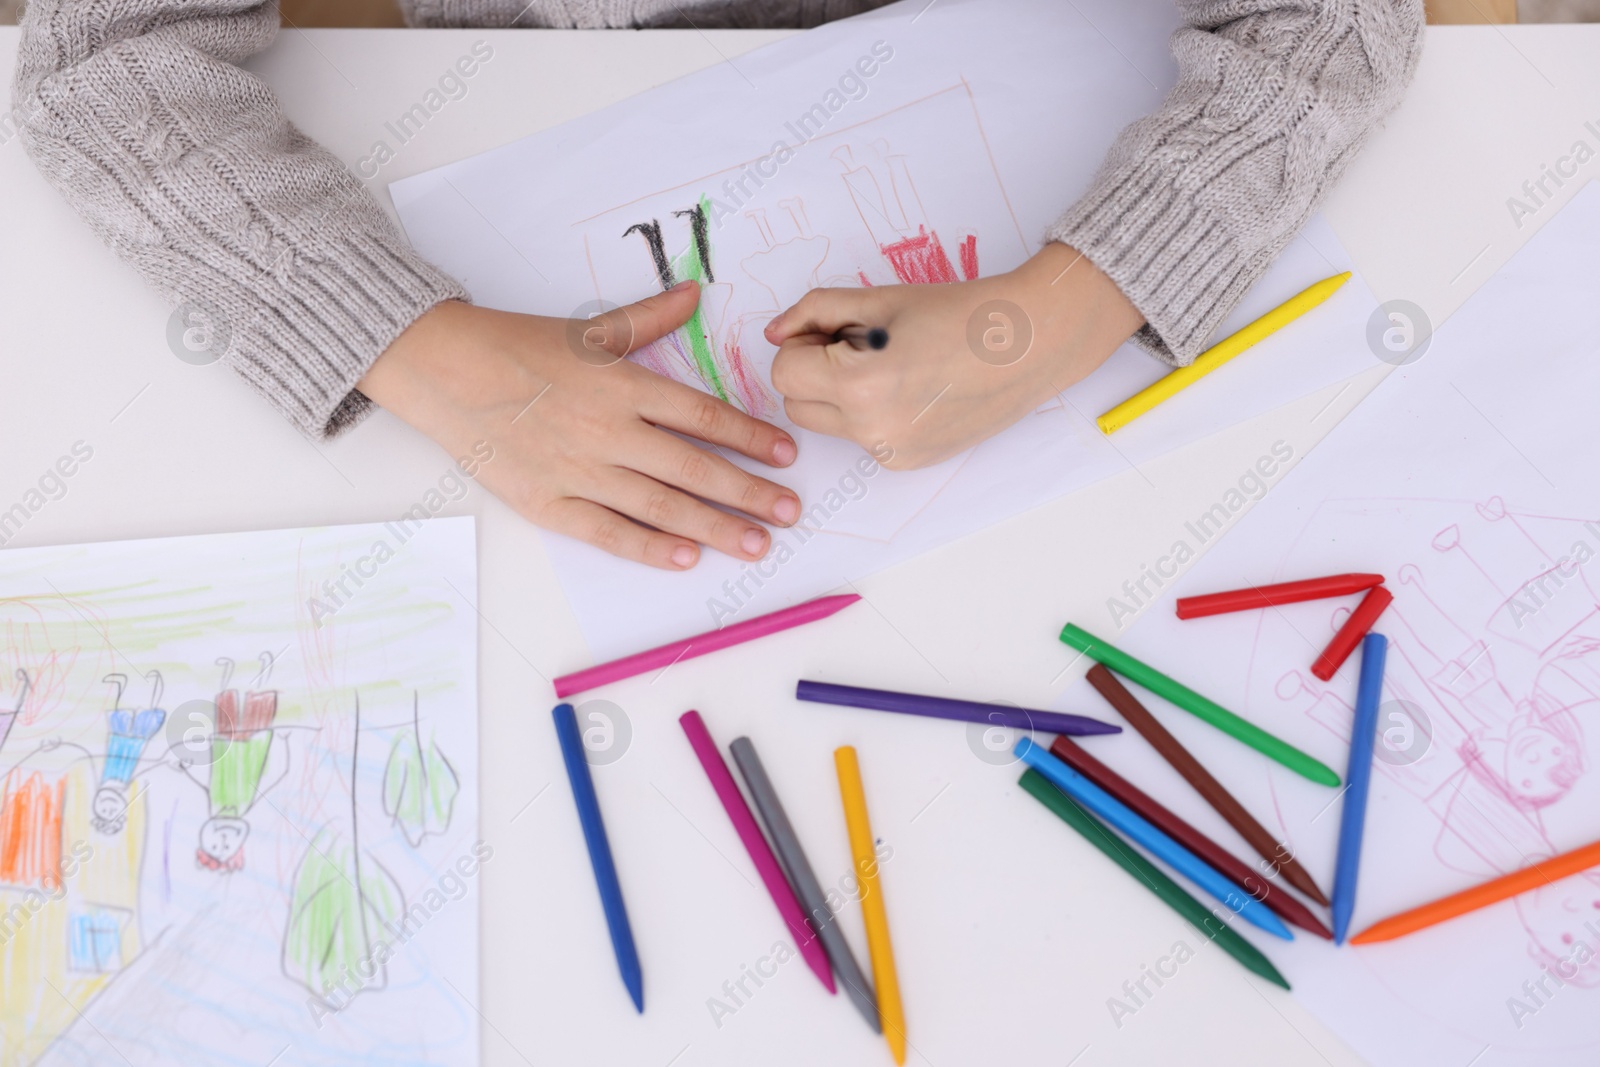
column 676, row 462
column 695, row 414
column 674, row 512
column 816, row 415
column 626, row 329
column 606, row 530
column 805, row 369
column 824, row 311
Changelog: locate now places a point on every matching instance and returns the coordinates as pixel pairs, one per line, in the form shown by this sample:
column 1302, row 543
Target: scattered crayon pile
column 1105, row 808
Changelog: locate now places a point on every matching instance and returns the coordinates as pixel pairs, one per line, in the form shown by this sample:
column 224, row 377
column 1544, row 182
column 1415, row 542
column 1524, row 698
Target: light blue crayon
column 1142, row 833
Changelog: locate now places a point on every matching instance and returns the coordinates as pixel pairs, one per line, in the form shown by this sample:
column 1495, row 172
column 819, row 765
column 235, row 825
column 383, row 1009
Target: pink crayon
column 755, row 844
column 700, row 644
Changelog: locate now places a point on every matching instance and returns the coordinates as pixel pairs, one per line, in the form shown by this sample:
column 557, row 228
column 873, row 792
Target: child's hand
column 580, row 434
column 963, row 362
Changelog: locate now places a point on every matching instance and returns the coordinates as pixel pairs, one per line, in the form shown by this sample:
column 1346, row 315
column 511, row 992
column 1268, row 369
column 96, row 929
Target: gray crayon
column 792, row 858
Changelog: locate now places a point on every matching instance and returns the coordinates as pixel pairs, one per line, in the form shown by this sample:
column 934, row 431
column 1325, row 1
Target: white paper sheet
column 979, row 122
column 227, row 862
column 1469, row 479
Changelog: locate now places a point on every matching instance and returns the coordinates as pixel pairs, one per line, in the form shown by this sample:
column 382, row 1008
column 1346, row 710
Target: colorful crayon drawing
column 128, row 733
column 754, row 250
column 239, row 751
column 343, row 771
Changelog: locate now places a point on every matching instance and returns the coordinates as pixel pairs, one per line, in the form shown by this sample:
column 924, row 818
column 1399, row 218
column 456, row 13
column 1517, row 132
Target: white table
column 1010, row 934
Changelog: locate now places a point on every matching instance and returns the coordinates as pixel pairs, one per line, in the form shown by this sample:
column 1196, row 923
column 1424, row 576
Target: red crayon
column 1266, row 596
column 1228, row 865
column 1350, row 634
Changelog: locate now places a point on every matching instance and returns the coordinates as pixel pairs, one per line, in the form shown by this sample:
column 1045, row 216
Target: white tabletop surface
column 1010, row 933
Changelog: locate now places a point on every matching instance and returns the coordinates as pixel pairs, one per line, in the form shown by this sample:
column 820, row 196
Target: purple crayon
column 1052, row 722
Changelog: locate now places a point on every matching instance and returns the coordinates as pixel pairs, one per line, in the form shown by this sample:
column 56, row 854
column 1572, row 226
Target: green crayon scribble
column 688, row 266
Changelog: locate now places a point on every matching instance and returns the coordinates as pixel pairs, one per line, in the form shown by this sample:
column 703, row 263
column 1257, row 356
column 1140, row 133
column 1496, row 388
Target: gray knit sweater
column 185, row 165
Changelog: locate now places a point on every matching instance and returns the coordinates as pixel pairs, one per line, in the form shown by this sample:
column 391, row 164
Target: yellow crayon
column 1219, row 353
column 872, row 910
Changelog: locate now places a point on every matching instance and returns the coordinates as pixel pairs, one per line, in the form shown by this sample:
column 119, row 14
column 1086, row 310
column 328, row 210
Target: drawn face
column 1564, row 920
column 221, row 839
column 109, row 809
column 1540, row 767
column 109, row 804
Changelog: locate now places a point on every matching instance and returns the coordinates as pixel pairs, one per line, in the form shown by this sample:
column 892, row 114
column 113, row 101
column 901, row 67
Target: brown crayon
column 1171, row 750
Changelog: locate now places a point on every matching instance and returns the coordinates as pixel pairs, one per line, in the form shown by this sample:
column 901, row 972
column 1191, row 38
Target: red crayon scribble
column 866, row 282
column 260, row 711
column 920, row 260
column 746, row 386
column 30, row 831
column 969, row 257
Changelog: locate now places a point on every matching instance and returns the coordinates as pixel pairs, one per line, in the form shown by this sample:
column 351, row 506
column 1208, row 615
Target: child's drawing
column 419, row 784
column 875, row 203
column 132, row 927
column 128, row 733
column 241, row 748
column 341, row 900
column 895, row 242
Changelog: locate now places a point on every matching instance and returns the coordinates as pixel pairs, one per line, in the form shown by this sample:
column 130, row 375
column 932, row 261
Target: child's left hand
column 964, row 361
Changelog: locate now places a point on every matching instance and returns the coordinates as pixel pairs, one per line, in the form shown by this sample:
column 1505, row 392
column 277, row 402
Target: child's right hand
column 580, row 435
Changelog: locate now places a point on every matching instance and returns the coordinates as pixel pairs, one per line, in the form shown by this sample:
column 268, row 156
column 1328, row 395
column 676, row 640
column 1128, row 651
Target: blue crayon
column 1141, row 832
column 594, row 835
column 1353, row 820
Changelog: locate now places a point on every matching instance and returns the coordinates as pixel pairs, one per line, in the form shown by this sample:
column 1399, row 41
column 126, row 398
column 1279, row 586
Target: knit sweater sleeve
column 184, row 164
column 1272, row 102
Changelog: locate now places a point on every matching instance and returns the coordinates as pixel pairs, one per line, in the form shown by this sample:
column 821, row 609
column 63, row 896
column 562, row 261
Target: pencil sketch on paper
column 1495, row 660
column 193, row 871
column 846, row 210
column 419, row 784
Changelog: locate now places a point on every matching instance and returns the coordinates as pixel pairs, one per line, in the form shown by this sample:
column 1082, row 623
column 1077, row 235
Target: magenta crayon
column 690, row 647
column 754, row 843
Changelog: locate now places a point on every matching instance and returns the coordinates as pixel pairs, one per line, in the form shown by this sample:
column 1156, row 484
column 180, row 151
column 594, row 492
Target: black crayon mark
column 658, row 251
column 702, row 242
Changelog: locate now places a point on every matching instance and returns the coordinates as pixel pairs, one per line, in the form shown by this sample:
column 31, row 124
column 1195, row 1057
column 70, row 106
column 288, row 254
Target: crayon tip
column 818, row 962
column 1270, row 973
column 1310, row 925
column 1343, row 912
column 1322, row 774
column 1094, row 727
column 1296, row 876
column 635, row 984
column 1271, row 923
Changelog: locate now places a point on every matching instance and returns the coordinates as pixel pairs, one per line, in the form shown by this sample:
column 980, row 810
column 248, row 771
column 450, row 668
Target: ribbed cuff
column 308, row 339
column 1175, row 261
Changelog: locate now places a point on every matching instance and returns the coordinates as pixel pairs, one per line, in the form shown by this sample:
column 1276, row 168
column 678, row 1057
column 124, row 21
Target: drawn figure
column 341, row 900
column 127, row 734
column 419, row 785
column 241, row 747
